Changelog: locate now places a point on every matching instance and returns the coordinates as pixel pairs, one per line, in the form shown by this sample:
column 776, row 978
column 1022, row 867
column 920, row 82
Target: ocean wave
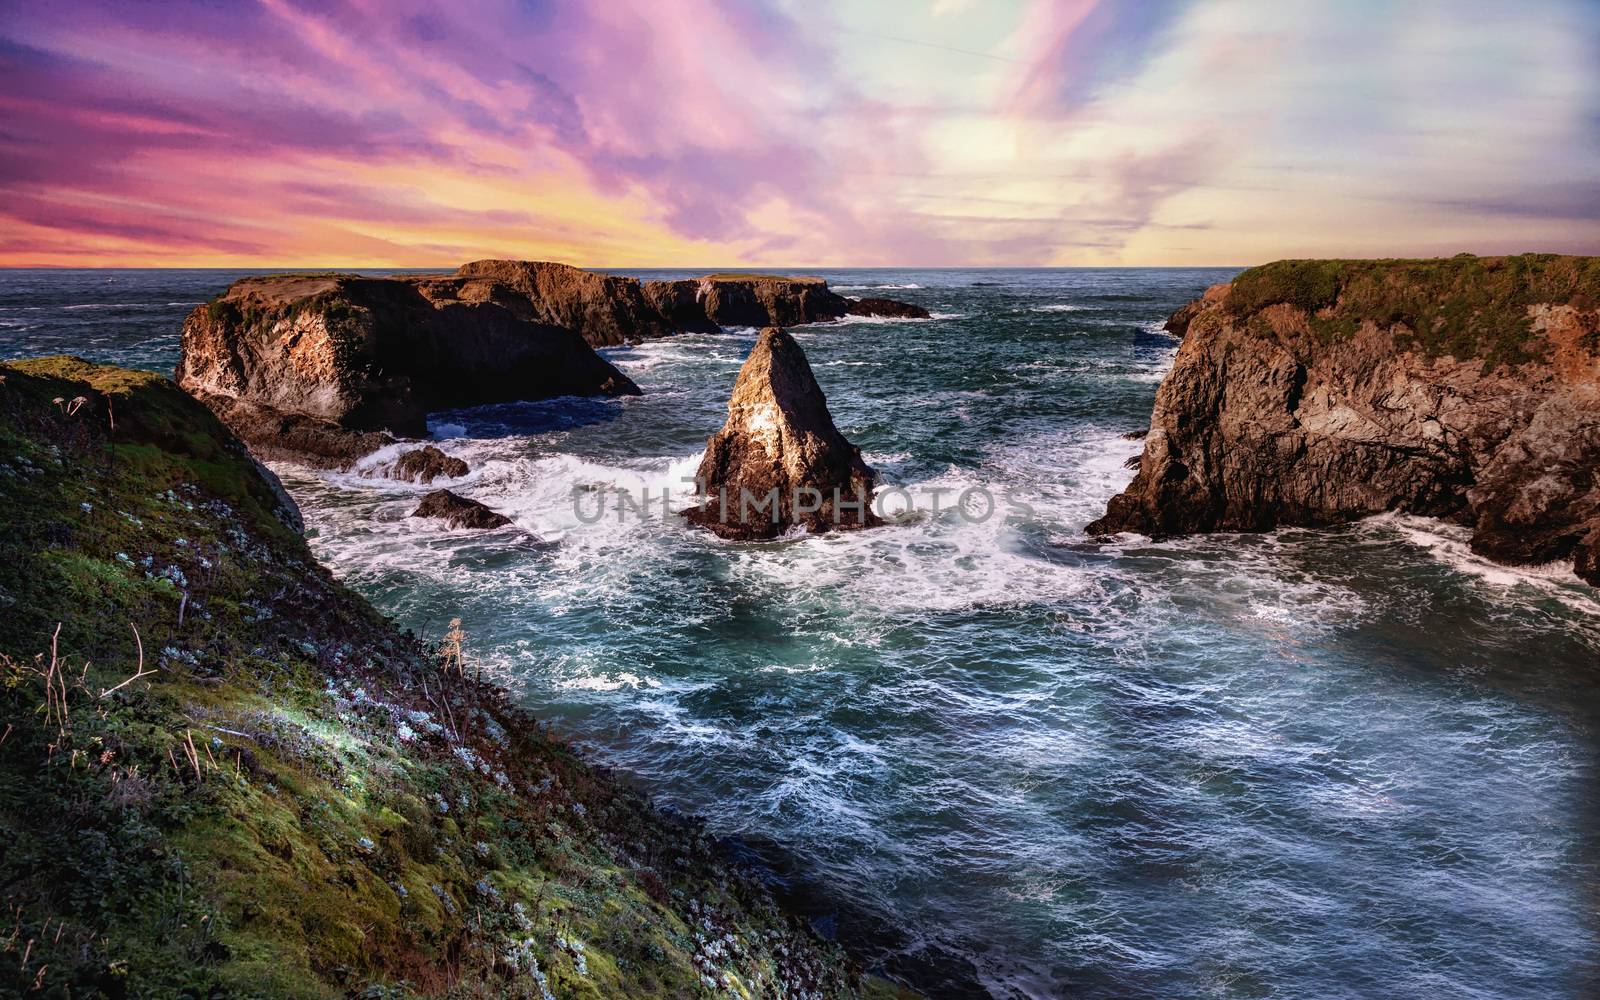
column 1450, row 545
column 932, row 317
column 963, row 723
column 136, row 306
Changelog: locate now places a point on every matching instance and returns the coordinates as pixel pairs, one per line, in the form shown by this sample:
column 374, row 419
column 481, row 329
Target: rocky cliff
column 736, row 299
column 325, row 368
column 779, row 461
column 224, row 774
column 320, row 368
column 603, row 309
column 766, row 300
column 1314, row 392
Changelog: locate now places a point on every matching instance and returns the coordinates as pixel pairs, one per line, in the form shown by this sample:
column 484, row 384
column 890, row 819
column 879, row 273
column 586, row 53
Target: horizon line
column 709, row 268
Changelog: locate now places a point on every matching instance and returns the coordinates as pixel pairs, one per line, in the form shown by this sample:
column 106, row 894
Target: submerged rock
column 886, row 307
column 458, row 511
column 322, row 368
column 1315, row 392
column 779, row 461
column 424, row 465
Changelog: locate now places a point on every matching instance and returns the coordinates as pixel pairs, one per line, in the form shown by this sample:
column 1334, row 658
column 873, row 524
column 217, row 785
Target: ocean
column 994, row 757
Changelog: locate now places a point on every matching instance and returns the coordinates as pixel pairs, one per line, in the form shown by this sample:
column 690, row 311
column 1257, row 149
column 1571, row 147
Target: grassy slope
column 1464, row 306
column 296, row 800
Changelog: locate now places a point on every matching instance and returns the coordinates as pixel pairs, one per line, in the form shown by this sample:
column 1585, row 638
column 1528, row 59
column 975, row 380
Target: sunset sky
column 703, row 133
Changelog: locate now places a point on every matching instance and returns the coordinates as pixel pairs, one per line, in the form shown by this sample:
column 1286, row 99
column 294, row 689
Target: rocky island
column 1316, row 392
column 225, row 774
column 779, row 461
column 323, row 369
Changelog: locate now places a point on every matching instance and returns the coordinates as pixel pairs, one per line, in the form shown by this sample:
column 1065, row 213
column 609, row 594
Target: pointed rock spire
column 779, row 461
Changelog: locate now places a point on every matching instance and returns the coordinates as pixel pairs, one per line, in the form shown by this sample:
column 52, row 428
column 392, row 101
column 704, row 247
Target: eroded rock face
column 779, row 461
column 459, row 512
column 1315, row 392
column 603, row 309
column 322, row 368
column 679, row 302
column 747, row 300
column 425, row 464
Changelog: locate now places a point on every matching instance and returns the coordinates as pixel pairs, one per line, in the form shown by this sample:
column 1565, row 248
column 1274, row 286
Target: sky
column 688, row 133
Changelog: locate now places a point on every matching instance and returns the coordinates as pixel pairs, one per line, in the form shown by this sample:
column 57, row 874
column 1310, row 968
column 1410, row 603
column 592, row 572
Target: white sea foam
column 89, row 306
column 1451, row 546
column 823, row 689
column 858, row 288
column 932, row 317
column 1063, row 307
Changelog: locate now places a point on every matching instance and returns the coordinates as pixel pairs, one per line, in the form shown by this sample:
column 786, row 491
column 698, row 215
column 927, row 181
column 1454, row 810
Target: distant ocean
column 995, row 758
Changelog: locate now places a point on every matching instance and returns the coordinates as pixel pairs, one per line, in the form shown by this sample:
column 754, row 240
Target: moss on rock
column 1462, row 306
column 223, row 773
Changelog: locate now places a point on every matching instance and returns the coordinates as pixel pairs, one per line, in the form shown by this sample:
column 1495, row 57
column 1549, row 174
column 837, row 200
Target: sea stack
column 779, row 461
column 1315, row 392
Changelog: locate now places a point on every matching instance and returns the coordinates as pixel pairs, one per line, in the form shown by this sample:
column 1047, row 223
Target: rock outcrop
column 885, row 307
column 733, row 299
column 1315, row 392
column 322, row 368
column 325, row 368
column 425, row 464
column 603, row 309
column 459, row 512
column 680, row 303
column 779, row 461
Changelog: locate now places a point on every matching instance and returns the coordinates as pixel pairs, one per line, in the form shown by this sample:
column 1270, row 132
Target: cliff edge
column 224, row 774
column 1315, row 392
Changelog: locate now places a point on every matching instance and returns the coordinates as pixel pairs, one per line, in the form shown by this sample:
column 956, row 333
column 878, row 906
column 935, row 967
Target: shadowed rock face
column 779, row 461
column 320, row 368
column 1315, row 392
column 679, row 302
column 424, row 465
column 458, row 511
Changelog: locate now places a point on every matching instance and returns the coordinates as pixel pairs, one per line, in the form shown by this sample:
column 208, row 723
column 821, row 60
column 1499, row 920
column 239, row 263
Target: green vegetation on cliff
column 224, row 774
column 1463, row 306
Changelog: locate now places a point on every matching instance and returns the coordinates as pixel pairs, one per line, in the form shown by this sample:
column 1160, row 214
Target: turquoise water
column 995, row 758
